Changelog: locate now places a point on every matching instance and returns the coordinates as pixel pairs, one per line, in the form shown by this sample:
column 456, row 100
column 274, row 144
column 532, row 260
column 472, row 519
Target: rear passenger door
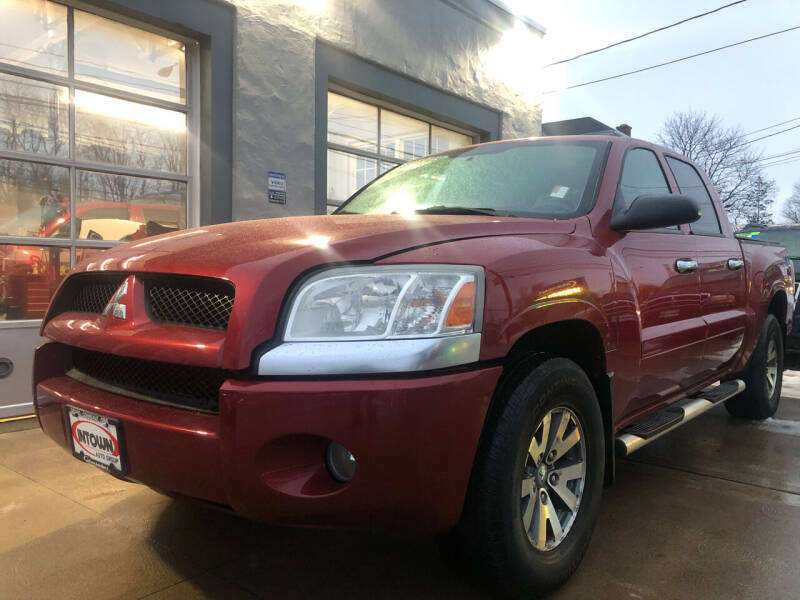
column 721, row 269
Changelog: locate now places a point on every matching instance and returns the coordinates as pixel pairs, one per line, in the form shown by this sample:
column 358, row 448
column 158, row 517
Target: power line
column 780, row 162
column 772, row 126
column 638, row 37
column 763, row 137
column 774, row 156
column 671, row 62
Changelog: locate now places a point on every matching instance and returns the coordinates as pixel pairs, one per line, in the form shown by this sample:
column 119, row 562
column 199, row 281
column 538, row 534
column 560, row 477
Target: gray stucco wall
column 442, row 43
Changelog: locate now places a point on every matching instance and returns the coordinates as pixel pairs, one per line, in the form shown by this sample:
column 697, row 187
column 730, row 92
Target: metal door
column 16, row 361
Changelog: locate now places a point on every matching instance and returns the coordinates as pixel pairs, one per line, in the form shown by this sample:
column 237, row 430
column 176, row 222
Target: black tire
column 760, row 399
column 492, row 527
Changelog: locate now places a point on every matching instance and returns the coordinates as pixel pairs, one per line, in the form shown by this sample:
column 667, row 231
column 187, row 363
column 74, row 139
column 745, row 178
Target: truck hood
column 225, row 250
column 263, row 258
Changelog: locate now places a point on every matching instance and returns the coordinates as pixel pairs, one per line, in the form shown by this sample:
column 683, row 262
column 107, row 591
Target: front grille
column 179, row 385
column 200, row 303
column 86, row 292
column 93, row 296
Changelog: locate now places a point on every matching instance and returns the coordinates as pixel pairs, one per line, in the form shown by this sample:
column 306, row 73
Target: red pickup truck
column 462, row 348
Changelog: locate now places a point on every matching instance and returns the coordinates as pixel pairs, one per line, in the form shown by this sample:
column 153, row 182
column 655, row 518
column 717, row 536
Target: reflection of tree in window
column 33, row 116
column 119, row 132
column 109, row 187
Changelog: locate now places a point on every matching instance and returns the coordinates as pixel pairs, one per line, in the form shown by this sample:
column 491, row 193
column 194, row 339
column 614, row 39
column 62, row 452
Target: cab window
column 691, row 185
column 642, row 175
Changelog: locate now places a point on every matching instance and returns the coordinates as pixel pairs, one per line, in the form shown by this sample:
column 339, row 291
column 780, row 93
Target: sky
column 753, row 86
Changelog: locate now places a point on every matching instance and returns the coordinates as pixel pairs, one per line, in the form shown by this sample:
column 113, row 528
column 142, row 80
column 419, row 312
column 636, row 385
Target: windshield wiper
column 462, row 210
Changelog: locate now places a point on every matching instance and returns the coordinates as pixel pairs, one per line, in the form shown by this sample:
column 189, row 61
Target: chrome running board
column 653, row 426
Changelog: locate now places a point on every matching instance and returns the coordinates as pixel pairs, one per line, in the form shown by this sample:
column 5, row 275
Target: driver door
column 663, row 270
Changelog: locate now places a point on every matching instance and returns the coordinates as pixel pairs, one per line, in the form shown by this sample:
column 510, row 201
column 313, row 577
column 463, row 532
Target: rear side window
column 691, row 184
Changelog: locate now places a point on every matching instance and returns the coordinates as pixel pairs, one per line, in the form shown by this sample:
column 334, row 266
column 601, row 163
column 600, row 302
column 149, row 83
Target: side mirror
column 659, row 210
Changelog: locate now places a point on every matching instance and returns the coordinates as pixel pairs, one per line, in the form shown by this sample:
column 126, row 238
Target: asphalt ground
column 711, row 510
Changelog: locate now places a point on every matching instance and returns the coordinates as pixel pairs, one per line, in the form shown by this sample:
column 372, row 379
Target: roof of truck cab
column 589, row 137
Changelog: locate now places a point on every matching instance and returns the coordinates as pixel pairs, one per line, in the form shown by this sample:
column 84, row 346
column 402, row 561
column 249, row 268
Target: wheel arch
column 558, row 340
column 778, row 307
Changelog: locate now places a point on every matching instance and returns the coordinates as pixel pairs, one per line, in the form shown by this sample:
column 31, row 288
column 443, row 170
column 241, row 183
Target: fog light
column 341, row 464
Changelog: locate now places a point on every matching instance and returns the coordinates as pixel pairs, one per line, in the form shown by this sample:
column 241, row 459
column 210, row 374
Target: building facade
column 121, row 120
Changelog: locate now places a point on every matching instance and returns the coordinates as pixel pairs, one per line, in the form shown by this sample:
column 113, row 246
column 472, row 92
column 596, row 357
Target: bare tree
column 724, row 155
column 757, row 205
column 791, row 208
column 131, row 143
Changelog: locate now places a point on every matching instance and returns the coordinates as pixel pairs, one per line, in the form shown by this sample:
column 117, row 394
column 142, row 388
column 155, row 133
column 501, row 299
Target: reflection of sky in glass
column 355, row 124
column 403, row 137
column 33, row 34
column 127, row 58
column 119, row 132
column 444, row 139
column 347, row 173
column 352, row 123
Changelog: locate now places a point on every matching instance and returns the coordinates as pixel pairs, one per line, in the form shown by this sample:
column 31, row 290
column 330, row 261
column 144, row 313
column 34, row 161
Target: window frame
column 191, row 107
column 705, row 186
column 661, row 161
column 380, row 158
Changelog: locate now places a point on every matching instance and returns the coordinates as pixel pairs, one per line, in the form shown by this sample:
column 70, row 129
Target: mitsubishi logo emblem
column 117, row 308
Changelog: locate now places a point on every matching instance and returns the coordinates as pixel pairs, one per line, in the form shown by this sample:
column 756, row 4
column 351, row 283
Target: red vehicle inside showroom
column 463, row 347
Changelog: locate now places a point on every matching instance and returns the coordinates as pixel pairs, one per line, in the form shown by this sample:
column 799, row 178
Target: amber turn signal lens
column 463, row 308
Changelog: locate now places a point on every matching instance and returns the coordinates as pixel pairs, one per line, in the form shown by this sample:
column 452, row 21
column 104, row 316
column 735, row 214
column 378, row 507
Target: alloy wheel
column 553, row 478
column 772, row 367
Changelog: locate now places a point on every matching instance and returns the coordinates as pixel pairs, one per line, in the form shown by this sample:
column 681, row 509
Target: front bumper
column 262, row 456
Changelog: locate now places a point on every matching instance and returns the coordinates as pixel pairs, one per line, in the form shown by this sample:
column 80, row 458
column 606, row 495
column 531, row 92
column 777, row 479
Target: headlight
column 377, row 303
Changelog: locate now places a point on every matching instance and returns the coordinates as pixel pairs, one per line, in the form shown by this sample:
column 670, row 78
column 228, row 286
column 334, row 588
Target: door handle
column 734, row 264
column 685, row 265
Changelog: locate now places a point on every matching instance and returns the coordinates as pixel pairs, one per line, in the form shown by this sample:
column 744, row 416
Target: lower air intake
column 185, row 386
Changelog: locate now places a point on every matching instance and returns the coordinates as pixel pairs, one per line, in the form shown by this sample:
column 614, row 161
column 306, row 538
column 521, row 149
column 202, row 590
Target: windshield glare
column 527, row 179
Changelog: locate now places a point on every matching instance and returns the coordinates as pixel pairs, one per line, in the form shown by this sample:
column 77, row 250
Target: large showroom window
column 96, row 115
column 366, row 139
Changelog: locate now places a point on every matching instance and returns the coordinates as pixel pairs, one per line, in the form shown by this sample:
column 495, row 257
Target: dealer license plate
column 97, row 440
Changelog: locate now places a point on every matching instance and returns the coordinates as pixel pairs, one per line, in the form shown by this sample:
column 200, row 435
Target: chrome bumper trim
column 368, row 357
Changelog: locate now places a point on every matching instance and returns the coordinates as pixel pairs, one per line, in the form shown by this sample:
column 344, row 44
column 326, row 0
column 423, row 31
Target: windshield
column 788, row 238
column 554, row 180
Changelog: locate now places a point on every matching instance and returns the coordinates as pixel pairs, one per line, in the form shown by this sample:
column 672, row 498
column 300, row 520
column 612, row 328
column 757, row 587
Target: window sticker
column 560, row 191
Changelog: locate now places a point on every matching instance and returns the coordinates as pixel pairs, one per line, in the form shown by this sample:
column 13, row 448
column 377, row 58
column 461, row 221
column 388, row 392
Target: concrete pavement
column 710, row 511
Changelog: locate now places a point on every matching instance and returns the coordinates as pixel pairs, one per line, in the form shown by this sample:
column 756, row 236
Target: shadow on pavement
column 712, row 497
column 304, row 563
